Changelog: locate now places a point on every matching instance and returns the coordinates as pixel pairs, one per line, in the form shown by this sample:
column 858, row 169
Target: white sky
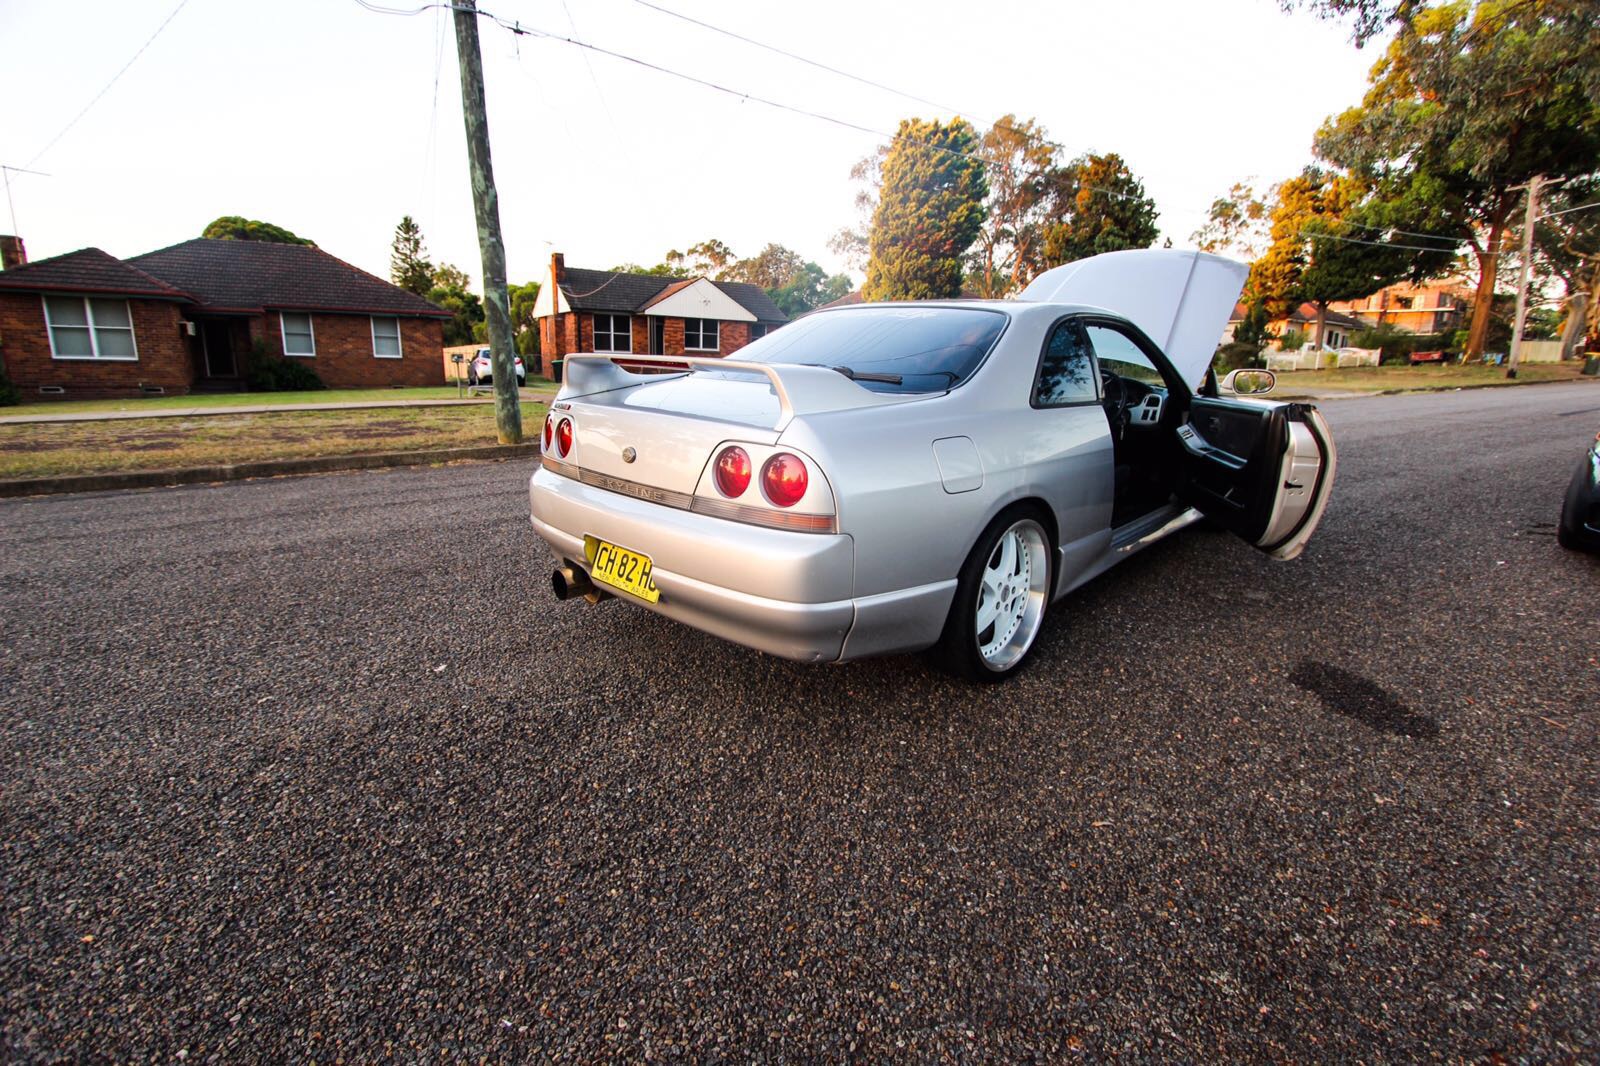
column 320, row 116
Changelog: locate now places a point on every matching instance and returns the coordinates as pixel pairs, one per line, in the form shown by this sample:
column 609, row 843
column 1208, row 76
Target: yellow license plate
column 620, row 568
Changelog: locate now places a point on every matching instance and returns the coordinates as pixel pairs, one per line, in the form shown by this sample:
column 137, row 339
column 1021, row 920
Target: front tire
column 1000, row 601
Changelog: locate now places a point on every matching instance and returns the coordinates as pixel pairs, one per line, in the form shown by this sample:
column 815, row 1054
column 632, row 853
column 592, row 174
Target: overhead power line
column 800, row 59
column 107, row 87
column 1570, row 210
column 519, row 29
column 1405, row 232
column 1319, row 235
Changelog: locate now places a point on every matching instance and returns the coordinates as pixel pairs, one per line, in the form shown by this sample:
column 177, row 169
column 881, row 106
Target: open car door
column 1262, row 470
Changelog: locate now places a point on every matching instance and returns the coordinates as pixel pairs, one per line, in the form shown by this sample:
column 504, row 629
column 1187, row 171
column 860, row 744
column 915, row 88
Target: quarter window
column 386, row 338
column 298, row 336
column 1120, row 356
column 90, row 328
column 700, row 335
column 1066, row 370
column 613, row 333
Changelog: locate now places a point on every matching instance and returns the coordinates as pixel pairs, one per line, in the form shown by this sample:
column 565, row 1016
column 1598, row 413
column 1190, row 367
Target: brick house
column 1337, row 329
column 191, row 317
column 646, row 314
column 1430, row 307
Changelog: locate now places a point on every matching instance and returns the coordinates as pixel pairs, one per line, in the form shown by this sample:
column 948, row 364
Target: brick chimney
column 558, row 270
column 12, row 252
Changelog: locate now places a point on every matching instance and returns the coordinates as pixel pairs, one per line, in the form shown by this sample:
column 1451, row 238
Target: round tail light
column 784, row 479
column 549, row 429
column 732, row 472
column 564, row 437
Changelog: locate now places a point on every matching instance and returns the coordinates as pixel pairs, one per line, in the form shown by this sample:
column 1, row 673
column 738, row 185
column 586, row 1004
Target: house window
column 386, row 337
column 759, row 330
column 89, row 328
column 700, row 335
column 298, row 338
column 613, row 333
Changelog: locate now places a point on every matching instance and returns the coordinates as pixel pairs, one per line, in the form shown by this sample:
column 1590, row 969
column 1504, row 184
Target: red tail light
column 549, row 428
column 784, row 478
column 733, row 472
column 564, row 437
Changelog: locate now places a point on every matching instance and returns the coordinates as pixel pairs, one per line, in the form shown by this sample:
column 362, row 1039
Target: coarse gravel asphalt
column 316, row 768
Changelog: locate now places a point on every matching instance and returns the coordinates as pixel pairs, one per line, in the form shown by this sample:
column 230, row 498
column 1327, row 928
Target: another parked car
column 1580, row 512
column 889, row 477
column 481, row 370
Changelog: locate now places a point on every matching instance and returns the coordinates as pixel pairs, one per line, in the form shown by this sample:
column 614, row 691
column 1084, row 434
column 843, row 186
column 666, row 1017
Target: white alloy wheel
column 1012, row 589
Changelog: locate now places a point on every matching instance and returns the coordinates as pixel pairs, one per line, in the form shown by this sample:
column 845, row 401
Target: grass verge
column 243, row 399
column 49, row 450
column 1386, row 378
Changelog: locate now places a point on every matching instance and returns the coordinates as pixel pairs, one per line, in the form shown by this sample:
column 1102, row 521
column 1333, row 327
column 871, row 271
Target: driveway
column 311, row 768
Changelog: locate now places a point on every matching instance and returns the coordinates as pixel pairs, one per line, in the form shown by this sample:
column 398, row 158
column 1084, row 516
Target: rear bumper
column 776, row 591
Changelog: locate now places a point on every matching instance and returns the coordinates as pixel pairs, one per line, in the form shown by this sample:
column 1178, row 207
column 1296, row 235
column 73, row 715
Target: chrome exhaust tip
column 568, row 581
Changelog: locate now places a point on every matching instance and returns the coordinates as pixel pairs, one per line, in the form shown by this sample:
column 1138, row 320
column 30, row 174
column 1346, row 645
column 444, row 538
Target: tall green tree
column 1108, row 211
column 1471, row 100
column 409, row 266
column 450, row 291
column 1326, row 246
column 930, row 210
column 1236, row 223
column 237, row 228
column 808, row 289
column 772, row 268
column 1568, row 246
column 1024, row 175
column 524, row 327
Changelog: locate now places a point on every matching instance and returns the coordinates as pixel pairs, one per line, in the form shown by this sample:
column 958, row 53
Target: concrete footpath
column 258, row 409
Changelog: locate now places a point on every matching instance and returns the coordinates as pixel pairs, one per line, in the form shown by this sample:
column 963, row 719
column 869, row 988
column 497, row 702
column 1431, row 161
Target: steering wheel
column 1116, row 395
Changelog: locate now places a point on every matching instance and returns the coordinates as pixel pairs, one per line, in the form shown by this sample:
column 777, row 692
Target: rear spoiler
column 801, row 390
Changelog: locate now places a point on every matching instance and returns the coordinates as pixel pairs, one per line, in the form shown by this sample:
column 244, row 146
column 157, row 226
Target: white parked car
column 889, row 477
column 481, row 370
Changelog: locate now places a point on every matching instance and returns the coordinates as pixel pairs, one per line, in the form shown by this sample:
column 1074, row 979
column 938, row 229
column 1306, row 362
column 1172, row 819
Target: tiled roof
column 753, row 298
column 88, row 270
column 256, row 275
column 1307, row 312
column 605, row 290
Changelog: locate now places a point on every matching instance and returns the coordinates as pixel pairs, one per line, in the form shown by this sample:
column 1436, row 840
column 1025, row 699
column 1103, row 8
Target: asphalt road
column 316, row 767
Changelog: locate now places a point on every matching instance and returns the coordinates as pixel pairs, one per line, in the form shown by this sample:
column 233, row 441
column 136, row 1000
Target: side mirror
column 1249, row 382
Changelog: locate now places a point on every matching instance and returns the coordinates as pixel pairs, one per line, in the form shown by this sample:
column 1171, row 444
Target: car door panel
column 1262, row 471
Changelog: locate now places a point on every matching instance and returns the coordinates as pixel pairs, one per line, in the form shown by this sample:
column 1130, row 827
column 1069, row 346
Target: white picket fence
column 1309, row 359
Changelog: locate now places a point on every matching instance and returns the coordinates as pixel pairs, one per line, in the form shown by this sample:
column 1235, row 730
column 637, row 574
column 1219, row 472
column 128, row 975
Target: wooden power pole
column 1522, row 277
column 486, row 202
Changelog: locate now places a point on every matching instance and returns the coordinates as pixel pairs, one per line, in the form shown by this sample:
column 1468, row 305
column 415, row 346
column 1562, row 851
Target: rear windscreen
column 929, row 349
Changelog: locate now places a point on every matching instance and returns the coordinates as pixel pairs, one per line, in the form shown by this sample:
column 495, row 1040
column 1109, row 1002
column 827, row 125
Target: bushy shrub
column 1292, row 340
column 9, row 397
column 1396, row 345
column 273, row 373
column 1236, row 355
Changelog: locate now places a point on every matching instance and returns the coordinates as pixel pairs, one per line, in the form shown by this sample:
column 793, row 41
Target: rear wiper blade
column 886, row 379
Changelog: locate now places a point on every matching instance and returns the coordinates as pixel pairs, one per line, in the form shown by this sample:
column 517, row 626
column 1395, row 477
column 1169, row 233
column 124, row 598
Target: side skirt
column 1128, row 539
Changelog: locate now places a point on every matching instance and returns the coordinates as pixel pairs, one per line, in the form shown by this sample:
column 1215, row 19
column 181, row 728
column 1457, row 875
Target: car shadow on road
column 1353, row 696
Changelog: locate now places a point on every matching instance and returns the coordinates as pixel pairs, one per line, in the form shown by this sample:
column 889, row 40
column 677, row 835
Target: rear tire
column 1001, row 598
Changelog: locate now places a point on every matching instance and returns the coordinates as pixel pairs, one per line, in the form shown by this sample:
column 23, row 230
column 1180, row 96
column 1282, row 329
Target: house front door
column 217, row 339
column 658, row 344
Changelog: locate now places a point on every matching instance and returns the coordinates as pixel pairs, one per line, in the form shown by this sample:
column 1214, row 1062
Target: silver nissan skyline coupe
column 885, row 478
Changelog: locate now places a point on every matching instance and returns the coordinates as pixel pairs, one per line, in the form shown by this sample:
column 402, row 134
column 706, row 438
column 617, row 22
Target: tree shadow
column 1353, row 696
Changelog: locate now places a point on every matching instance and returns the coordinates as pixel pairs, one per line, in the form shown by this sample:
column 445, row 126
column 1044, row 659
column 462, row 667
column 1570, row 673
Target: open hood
column 1181, row 300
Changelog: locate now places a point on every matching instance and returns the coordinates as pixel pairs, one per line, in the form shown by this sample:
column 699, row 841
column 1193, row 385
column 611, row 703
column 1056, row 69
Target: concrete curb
column 254, row 409
column 197, row 475
column 1471, row 387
